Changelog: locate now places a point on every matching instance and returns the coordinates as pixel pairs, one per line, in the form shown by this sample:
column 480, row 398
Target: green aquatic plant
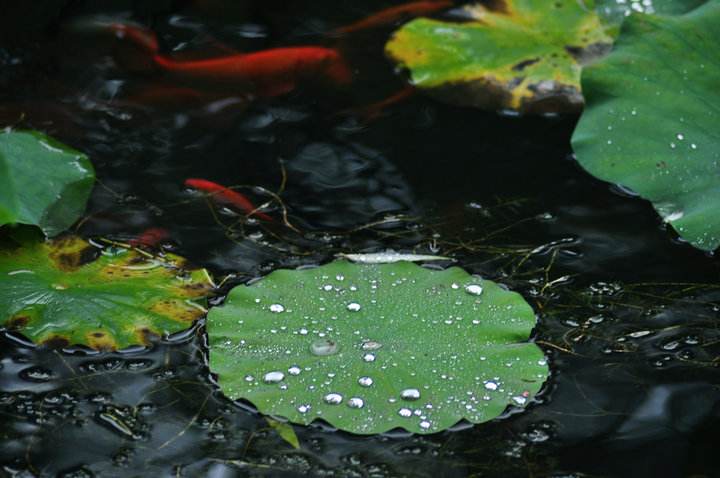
column 651, row 123
column 42, row 182
column 373, row 347
column 70, row 292
column 523, row 55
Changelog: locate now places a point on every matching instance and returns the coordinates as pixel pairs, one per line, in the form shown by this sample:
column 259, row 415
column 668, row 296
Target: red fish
column 226, row 196
column 151, row 237
column 392, row 15
column 268, row 72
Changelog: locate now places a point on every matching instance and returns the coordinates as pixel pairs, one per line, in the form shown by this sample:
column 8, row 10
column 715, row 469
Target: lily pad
column 652, row 118
column 67, row 291
column 42, row 182
column 523, row 55
column 373, row 347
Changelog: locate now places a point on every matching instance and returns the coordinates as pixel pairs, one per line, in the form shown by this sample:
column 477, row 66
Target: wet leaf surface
column 70, row 292
column 370, row 348
column 42, row 181
column 522, row 55
column 668, row 68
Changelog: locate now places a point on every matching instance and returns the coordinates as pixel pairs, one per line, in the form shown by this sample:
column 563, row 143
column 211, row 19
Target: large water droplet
column 333, row 399
column 356, row 402
column 424, row 424
column 294, row 370
column 365, row 381
column 324, row 347
column 410, row 394
column 273, row 377
column 473, row 289
column 277, row 308
column 353, row 307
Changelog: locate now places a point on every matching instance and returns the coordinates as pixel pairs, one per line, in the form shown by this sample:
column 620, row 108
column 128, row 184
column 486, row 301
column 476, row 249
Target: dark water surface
column 628, row 315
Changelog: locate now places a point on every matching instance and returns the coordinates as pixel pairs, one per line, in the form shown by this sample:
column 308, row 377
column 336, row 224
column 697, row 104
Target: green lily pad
column 369, row 348
column 67, row 291
column 42, row 182
column 523, row 55
column 652, row 118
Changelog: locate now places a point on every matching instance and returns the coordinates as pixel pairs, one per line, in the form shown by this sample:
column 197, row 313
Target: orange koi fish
column 226, row 196
column 270, row 72
column 151, row 237
column 392, row 15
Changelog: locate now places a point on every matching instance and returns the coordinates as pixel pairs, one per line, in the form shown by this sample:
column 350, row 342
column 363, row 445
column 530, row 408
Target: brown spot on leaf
column 146, row 336
column 524, row 64
column 17, row 322
column 101, row 341
column 70, row 252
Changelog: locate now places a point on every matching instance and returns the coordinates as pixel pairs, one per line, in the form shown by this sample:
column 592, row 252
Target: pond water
column 627, row 313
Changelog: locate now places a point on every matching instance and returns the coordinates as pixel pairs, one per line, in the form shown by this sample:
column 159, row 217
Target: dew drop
column 369, row 357
column 405, row 412
column 249, row 378
column 353, row 307
column 473, row 289
column 327, row 288
column 491, row 385
column 410, row 394
column 365, row 381
column 371, row 345
column 333, row 399
column 356, row 402
column 277, row 308
column 324, row 347
column 303, row 408
column 273, row 377
column 294, row 370
column 424, row 424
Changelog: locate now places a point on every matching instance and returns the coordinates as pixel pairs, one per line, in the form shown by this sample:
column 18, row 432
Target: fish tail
column 141, row 38
column 338, row 71
column 139, row 47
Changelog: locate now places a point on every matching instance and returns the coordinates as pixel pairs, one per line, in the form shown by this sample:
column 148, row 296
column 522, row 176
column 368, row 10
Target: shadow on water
column 627, row 315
